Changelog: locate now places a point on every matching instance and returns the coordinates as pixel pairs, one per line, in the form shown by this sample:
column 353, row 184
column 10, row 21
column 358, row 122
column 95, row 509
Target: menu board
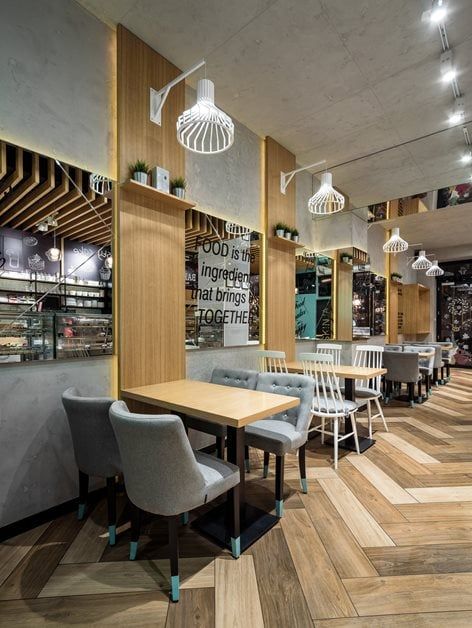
column 24, row 251
column 86, row 262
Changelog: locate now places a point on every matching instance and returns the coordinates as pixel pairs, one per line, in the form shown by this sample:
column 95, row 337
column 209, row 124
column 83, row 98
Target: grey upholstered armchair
column 402, row 368
column 283, row 432
column 239, row 378
column 164, row 476
column 95, row 448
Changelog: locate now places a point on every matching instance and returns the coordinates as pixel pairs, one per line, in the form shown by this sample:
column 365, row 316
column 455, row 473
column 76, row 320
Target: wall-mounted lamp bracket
column 159, row 97
column 286, row 177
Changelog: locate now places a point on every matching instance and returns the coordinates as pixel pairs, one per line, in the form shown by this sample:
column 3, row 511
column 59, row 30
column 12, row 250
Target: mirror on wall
column 369, row 304
column 55, row 259
column 222, row 282
column 313, row 296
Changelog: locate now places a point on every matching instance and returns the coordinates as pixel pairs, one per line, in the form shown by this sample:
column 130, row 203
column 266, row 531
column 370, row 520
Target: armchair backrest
column 294, row 386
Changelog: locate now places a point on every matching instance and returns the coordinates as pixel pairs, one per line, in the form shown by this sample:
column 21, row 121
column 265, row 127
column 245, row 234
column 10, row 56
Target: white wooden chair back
column 329, row 348
column 327, row 400
column 272, row 362
column 369, row 356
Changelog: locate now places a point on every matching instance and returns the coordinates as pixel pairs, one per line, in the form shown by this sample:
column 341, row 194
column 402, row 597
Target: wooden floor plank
column 397, row 458
column 415, row 560
column 321, row 585
column 407, row 448
column 379, row 507
column 402, row 594
column 382, row 482
column 453, row 619
column 458, row 511
column 442, row 494
column 33, row 572
column 127, row 576
column 425, row 427
column 430, row 533
column 237, row 602
column 345, row 553
column 196, row 608
column 12, row 551
column 281, row 597
column 454, row 468
column 122, row 610
column 358, row 519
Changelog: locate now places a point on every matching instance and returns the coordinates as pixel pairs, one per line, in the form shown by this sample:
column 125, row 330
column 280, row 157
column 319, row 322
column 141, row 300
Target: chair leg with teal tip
column 279, row 485
column 174, row 558
column 184, row 518
column 83, row 494
column 279, row 508
column 302, row 466
column 135, row 529
column 236, row 547
column 112, row 535
column 304, row 485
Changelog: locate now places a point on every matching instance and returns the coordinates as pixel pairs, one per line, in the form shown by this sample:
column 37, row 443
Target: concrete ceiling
column 328, row 79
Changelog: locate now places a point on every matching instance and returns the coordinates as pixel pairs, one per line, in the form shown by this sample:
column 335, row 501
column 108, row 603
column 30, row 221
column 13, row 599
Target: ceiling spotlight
column 467, row 157
column 42, row 226
column 438, row 12
column 421, row 262
column 395, row 244
column 326, row 200
column 435, row 270
column 448, row 72
column 52, row 221
column 458, row 113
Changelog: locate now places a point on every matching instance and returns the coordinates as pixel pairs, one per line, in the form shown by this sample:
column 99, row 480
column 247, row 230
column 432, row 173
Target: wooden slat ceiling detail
column 32, row 187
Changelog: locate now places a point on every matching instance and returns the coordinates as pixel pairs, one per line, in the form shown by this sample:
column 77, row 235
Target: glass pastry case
column 82, row 336
column 26, row 338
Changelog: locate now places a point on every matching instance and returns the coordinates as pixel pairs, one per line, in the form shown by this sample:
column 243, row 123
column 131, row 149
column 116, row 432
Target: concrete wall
column 37, row 468
column 57, row 75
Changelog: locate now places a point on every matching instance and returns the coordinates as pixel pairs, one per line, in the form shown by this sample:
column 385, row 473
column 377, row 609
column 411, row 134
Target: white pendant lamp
column 204, row 128
column 421, row 262
column 54, row 254
column 108, row 263
column 326, row 200
column 435, row 270
column 237, row 230
column 395, row 244
column 99, row 184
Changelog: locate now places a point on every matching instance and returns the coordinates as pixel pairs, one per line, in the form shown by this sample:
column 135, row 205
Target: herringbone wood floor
column 384, row 541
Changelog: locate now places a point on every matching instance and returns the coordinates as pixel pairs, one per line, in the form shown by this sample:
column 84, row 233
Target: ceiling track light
column 203, row 128
column 458, row 113
column 395, row 244
column 438, row 11
column 467, row 157
column 421, row 262
column 435, row 270
column 448, row 71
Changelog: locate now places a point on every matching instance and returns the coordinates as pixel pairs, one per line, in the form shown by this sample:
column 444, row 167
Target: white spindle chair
column 272, row 362
column 330, row 348
column 328, row 403
column 370, row 356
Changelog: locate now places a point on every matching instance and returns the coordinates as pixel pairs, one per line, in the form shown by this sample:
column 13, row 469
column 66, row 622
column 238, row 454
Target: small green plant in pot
column 288, row 232
column 295, row 235
column 139, row 171
column 178, row 186
column 346, row 258
column 280, row 228
column 396, row 277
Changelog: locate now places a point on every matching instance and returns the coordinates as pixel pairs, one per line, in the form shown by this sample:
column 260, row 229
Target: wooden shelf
column 345, row 266
column 157, row 195
column 290, row 244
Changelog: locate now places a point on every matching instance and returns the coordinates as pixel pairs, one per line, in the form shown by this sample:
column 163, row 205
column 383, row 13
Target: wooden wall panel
column 151, row 236
column 280, row 295
column 343, row 300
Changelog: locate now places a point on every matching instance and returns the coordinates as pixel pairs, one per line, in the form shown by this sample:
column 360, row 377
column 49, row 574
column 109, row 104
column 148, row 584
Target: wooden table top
column 343, row 370
column 225, row 405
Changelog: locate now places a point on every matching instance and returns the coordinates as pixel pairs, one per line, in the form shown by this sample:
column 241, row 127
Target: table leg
column 254, row 521
column 364, row 441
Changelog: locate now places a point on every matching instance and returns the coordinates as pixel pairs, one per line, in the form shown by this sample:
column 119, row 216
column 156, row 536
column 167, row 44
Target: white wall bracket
column 286, row 177
column 158, row 97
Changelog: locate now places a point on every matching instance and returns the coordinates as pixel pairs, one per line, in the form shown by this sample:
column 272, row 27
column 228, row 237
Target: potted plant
column 346, row 258
column 396, row 277
column 295, row 235
column 178, row 186
column 288, row 233
column 139, row 171
column 280, row 229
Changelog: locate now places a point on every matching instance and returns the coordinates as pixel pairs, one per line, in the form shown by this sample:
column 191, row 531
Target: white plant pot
column 280, row 233
column 140, row 177
column 288, row 235
column 295, row 238
column 179, row 192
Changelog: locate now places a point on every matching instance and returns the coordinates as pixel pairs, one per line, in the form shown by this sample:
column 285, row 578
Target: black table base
column 254, row 524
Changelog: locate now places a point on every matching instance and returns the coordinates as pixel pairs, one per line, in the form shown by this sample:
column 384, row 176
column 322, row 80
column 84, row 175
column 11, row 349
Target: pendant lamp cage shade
column 326, row 200
column 421, row 262
column 309, row 254
column 395, row 244
column 100, row 184
column 435, row 270
column 204, row 128
column 237, row 230
column 54, row 254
